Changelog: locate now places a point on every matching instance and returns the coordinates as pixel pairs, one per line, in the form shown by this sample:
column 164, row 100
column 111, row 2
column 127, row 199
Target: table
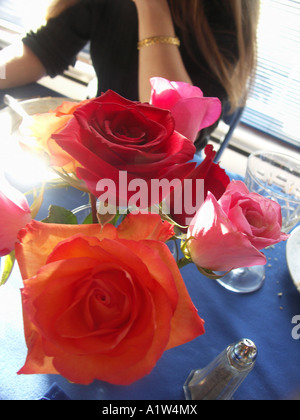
column 264, row 317
column 34, row 90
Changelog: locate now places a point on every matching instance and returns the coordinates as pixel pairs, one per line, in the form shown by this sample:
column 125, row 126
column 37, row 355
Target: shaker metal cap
column 244, row 352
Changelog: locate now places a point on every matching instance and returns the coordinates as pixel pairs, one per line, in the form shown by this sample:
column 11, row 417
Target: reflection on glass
column 277, row 177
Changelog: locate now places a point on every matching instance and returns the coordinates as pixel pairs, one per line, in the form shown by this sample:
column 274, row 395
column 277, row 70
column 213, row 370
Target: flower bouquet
column 104, row 299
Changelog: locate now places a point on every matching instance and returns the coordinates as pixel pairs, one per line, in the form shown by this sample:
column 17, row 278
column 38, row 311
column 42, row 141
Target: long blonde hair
column 234, row 75
column 190, row 15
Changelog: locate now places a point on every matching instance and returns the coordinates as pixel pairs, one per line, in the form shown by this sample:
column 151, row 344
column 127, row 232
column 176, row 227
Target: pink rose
column 230, row 233
column 256, row 216
column 15, row 214
column 192, row 112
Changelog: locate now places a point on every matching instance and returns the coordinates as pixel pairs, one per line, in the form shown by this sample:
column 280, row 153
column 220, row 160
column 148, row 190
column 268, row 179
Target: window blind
column 273, row 105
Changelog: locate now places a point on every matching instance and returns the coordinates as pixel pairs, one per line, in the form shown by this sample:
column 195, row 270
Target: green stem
column 94, row 208
column 183, row 262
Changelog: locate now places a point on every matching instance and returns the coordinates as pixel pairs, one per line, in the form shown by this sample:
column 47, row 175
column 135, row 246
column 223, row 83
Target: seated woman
column 208, row 43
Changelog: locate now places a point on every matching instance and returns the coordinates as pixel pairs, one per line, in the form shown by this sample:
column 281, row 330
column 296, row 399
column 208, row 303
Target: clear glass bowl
column 277, row 176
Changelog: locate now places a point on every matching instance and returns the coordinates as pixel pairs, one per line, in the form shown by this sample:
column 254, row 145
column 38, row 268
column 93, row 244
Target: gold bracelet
column 147, row 42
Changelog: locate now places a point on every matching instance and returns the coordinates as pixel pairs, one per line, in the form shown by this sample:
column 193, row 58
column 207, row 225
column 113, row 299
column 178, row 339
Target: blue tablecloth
column 264, row 317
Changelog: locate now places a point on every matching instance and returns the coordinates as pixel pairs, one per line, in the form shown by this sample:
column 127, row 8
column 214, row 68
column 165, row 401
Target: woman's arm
column 20, row 66
column 159, row 60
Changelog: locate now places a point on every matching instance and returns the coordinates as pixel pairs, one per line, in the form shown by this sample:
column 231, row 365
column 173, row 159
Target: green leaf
column 9, row 261
column 88, row 220
column 61, row 216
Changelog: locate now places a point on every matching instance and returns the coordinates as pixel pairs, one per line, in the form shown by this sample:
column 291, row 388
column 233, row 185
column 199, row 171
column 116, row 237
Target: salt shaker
column 221, row 378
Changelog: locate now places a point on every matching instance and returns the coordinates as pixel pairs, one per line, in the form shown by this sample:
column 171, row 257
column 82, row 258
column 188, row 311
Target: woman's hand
column 158, row 60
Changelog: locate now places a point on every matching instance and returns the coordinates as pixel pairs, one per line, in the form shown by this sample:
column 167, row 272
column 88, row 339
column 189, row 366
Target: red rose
column 98, row 305
column 215, row 180
column 112, row 134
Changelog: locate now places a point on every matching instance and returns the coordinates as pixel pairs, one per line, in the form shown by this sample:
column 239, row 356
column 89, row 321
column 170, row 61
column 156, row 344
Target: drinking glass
column 277, row 177
column 82, row 213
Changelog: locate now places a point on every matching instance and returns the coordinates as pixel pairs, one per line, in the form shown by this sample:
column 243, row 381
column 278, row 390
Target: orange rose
column 42, row 126
column 97, row 306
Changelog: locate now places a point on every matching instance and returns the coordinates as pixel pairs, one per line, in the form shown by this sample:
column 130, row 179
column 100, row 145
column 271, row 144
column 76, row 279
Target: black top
column 111, row 27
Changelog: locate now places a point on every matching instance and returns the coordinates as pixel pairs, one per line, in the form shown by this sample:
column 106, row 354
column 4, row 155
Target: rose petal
column 217, row 245
column 15, row 214
column 191, row 111
column 37, row 238
column 193, row 114
column 186, row 323
column 145, row 226
column 214, row 179
column 254, row 215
